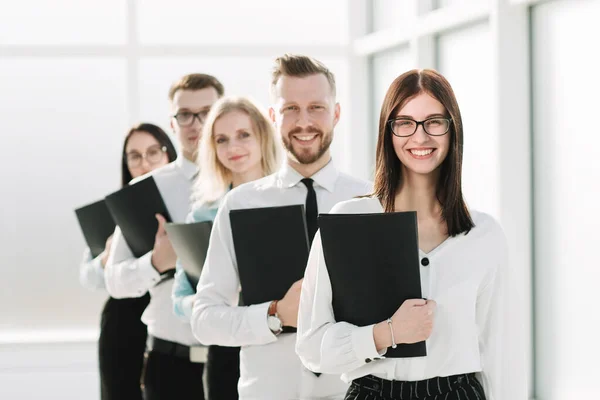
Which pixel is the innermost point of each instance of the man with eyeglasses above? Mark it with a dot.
(174, 359)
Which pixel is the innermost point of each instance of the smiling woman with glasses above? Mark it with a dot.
(123, 335)
(464, 316)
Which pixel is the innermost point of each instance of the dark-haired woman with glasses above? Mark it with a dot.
(122, 335)
(472, 354)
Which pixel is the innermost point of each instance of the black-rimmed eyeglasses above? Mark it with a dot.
(404, 127)
(186, 118)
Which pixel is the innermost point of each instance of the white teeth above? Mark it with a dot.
(305, 138)
(421, 152)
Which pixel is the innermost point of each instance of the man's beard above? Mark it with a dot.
(307, 157)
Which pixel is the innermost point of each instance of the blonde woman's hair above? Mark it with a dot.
(214, 179)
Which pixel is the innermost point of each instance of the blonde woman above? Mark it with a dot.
(237, 146)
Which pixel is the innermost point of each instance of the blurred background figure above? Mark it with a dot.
(122, 334)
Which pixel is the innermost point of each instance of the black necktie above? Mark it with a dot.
(311, 216)
(311, 209)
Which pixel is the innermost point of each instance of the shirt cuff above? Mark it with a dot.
(97, 265)
(363, 344)
(147, 269)
(257, 317)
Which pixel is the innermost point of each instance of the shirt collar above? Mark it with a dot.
(188, 168)
(325, 177)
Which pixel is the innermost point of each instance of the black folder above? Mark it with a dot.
(96, 224)
(133, 208)
(190, 242)
(271, 247)
(373, 265)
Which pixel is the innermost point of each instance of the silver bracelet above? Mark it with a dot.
(394, 345)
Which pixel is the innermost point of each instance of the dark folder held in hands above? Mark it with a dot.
(190, 242)
(134, 208)
(373, 265)
(271, 247)
(96, 224)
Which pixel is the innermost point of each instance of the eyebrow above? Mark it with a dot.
(429, 116)
(190, 110)
(236, 131)
(147, 148)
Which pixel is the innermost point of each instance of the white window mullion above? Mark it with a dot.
(509, 24)
(357, 143)
(133, 62)
(423, 46)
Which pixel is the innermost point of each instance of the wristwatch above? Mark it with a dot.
(273, 320)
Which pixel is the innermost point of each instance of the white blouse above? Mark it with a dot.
(471, 331)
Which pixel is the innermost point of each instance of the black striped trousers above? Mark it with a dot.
(456, 387)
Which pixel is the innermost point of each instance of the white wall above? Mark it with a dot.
(567, 191)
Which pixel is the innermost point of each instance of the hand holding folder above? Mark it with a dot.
(373, 266)
(96, 224)
(163, 254)
(134, 210)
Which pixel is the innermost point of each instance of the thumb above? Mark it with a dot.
(431, 305)
(161, 223)
(416, 302)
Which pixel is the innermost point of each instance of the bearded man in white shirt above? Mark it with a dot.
(174, 365)
(305, 113)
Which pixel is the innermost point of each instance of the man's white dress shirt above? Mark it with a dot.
(269, 366)
(128, 276)
(473, 330)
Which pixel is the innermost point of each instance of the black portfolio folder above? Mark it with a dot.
(96, 224)
(190, 242)
(373, 265)
(271, 247)
(133, 208)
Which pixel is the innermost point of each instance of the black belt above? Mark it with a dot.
(166, 347)
(411, 389)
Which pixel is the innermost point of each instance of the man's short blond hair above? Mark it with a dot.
(299, 66)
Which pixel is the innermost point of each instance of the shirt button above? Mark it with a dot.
(376, 386)
(425, 261)
(368, 360)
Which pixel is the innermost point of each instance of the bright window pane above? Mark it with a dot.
(385, 67)
(63, 122)
(445, 3)
(566, 193)
(63, 22)
(387, 14)
(472, 84)
(243, 22)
